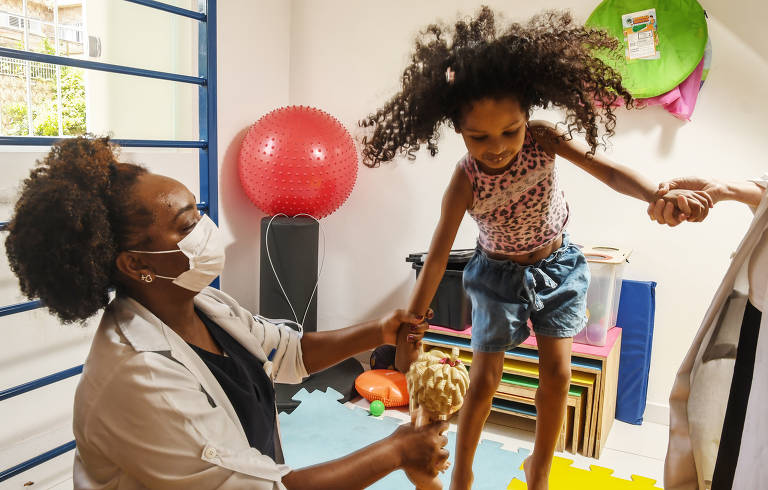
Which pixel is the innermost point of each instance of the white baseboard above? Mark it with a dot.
(658, 413)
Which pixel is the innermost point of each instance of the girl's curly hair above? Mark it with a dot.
(74, 214)
(550, 61)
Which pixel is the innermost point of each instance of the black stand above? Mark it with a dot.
(293, 247)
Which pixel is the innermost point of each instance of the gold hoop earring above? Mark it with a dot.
(147, 278)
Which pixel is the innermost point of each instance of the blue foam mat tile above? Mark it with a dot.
(321, 429)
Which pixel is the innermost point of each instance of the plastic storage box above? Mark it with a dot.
(451, 304)
(606, 266)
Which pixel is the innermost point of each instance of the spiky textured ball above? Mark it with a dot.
(298, 159)
(438, 382)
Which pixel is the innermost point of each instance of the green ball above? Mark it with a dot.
(376, 408)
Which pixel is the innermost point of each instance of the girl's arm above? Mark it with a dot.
(456, 200)
(324, 349)
(619, 177)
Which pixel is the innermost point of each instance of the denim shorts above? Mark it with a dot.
(505, 294)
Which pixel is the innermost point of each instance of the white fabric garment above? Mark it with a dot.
(149, 413)
(758, 264)
(758, 269)
(751, 469)
(699, 396)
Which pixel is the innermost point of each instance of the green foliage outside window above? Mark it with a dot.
(45, 112)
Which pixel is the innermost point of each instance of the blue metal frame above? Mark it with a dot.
(37, 460)
(39, 383)
(125, 143)
(19, 307)
(96, 65)
(202, 206)
(208, 154)
(209, 189)
(170, 8)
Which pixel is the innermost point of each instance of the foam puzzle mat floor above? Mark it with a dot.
(321, 429)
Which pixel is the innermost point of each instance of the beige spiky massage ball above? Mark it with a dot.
(438, 382)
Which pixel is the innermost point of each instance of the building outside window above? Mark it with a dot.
(42, 99)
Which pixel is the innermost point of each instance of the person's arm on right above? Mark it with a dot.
(747, 192)
(418, 448)
(456, 200)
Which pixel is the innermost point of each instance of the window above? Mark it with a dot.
(71, 33)
(11, 21)
(41, 99)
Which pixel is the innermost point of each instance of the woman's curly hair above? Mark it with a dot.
(74, 214)
(550, 61)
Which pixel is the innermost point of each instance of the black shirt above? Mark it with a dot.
(246, 384)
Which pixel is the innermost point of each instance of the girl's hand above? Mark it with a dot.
(672, 212)
(391, 324)
(691, 205)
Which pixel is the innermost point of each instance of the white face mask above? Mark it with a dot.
(205, 250)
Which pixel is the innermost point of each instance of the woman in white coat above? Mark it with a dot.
(718, 435)
(177, 390)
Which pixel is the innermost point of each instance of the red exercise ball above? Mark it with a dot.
(298, 160)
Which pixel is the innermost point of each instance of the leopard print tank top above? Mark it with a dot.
(521, 209)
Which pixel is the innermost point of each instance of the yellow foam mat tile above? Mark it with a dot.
(566, 477)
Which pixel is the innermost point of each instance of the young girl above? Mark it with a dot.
(485, 82)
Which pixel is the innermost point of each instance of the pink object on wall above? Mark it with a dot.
(681, 100)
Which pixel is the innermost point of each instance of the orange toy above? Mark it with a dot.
(386, 385)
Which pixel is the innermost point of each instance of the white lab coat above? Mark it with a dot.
(699, 396)
(149, 414)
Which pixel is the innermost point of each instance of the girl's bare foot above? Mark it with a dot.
(536, 477)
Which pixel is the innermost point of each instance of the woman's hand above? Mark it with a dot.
(390, 325)
(714, 188)
(691, 205)
(422, 449)
(684, 199)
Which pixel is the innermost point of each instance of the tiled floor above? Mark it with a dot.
(630, 449)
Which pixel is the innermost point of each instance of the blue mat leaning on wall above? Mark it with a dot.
(637, 308)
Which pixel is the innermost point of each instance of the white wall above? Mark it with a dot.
(253, 56)
(346, 58)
